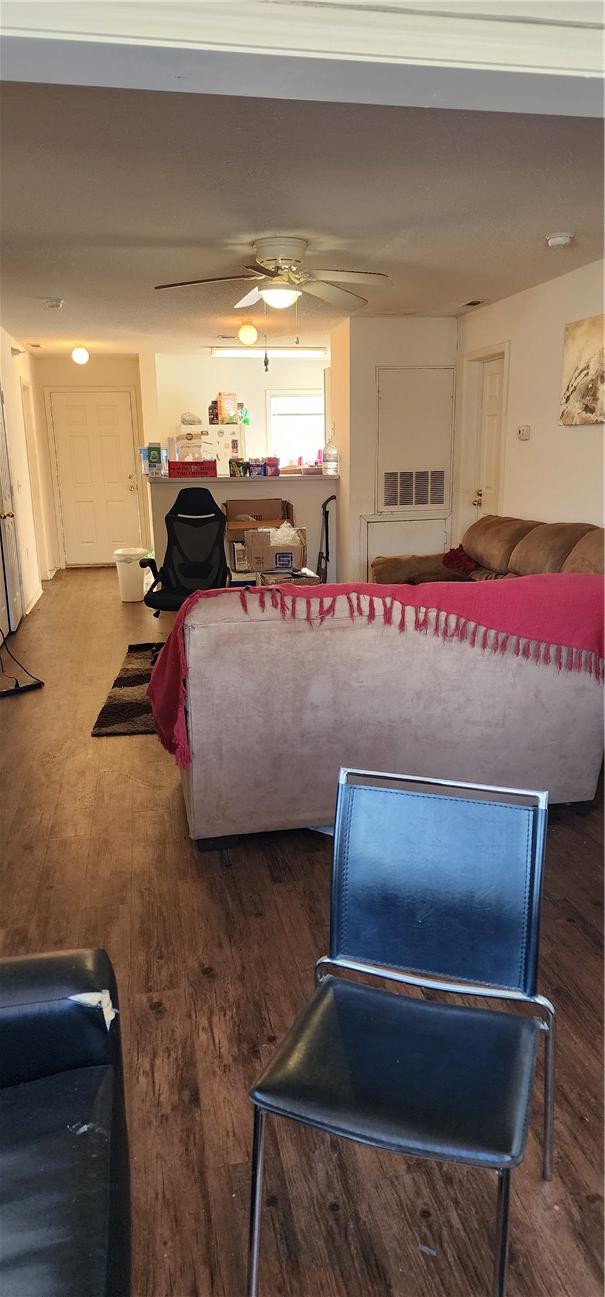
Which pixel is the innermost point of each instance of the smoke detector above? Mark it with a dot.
(559, 240)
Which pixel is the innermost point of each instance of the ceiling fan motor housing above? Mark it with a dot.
(281, 253)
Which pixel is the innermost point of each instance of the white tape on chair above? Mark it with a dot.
(98, 999)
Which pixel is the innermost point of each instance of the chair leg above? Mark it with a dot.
(549, 1099)
(501, 1258)
(256, 1200)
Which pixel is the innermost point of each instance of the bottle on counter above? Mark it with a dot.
(330, 463)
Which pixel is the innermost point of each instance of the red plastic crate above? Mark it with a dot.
(192, 468)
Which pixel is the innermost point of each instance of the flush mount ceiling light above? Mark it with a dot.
(279, 295)
(247, 334)
(80, 356)
(274, 353)
(562, 239)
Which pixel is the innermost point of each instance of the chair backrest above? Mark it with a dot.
(439, 879)
(195, 551)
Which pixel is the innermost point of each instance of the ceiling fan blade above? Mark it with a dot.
(262, 270)
(349, 276)
(215, 279)
(335, 296)
(249, 300)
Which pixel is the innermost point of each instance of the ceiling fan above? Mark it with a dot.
(279, 266)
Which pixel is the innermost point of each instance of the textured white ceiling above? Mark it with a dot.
(108, 192)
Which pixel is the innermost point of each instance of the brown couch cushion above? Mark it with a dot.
(491, 540)
(587, 555)
(546, 547)
(412, 569)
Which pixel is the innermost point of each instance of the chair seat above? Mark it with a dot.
(59, 1187)
(412, 1075)
(166, 600)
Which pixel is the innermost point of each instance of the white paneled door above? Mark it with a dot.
(488, 490)
(11, 598)
(97, 473)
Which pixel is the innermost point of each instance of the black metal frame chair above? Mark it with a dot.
(195, 551)
(435, 885)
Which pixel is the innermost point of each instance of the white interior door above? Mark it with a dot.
(11, 598)
(96, 470)
(490, 437)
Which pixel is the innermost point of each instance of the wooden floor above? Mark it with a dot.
(214, 956)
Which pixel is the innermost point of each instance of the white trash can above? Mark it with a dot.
(130, 575)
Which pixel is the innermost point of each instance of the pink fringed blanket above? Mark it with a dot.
(555, 619)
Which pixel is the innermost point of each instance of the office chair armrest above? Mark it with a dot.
(150, 563)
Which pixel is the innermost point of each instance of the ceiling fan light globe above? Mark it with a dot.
(247, 334)
(279, 296)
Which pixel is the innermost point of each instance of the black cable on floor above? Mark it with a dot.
(16, 688)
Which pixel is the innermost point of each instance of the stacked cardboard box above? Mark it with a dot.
(267, 552)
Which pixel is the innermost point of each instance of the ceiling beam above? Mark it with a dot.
(498, 57)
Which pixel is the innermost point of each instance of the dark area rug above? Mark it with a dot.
(127, 709)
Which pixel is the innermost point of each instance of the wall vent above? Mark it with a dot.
(391, 490)
(438, 486)
(409, 490)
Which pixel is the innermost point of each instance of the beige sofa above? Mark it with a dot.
(503, 547)
(276, 706)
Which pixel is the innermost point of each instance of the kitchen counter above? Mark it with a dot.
(306, 492)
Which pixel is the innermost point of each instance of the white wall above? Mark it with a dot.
(384, 341)
(556, 476)
(340, 420)
(191, 381)
(12, 370)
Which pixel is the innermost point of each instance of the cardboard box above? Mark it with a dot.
(259, 507)
(264, 513)
(306, 577)
(265, 556)
(227, 407)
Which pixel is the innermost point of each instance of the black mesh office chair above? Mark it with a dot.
(195, 551)
(444, 880)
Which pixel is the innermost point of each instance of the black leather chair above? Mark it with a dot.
(195, 551)
(442, 879)
(64, 1221)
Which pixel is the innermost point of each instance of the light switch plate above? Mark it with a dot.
(524, 432)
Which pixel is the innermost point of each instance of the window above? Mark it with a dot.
(296, 425)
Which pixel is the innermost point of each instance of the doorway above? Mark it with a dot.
(11, 596)
(94, 435)
(487, 495)
(34, 480)
(481, 441)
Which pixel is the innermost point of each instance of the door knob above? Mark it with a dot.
(477, 502)
(132, 487)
